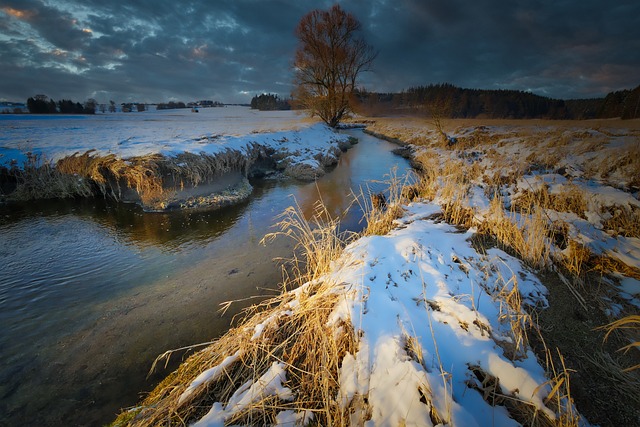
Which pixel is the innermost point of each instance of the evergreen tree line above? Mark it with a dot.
(43, 105)
(171, 105)
(447, 100)
(269, 102)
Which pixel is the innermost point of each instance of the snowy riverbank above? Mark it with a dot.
(432, 341)
(162, 159)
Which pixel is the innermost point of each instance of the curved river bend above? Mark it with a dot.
(91, 292)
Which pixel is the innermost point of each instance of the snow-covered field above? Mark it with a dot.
(137, 134)
(585, 179)
(128, 147)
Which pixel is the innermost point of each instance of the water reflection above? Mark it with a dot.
(167, 231)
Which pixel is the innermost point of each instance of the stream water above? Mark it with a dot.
(92, 291)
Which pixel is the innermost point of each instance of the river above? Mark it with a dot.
(92, 291)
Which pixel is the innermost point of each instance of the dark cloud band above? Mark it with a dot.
(156, 50)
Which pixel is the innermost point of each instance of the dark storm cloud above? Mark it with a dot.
(561, 49)
(155, 50)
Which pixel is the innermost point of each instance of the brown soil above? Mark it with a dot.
(603, 394)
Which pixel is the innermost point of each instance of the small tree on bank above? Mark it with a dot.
(328, 62)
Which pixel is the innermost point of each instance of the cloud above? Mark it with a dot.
(154, 50)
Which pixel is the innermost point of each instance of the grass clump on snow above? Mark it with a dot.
(284, 343)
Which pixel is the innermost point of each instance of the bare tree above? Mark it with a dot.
(328, 61)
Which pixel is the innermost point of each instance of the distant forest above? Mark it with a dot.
(41, 104)
(446, 100)
(269, 102)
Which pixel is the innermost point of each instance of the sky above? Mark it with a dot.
(231, 50)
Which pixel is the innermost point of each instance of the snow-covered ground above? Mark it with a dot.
(437, 336)
(159, 131)
(592, 165)
(434, 334)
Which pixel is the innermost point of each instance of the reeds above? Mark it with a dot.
(526, 235)
(318, 241)
(39, 179)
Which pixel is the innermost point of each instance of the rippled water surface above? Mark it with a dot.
(91, 291)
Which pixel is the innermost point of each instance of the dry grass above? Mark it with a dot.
(576, 259)
(299, 338)
(604, 264)
(521, 323)
(559, 398)
(520, 410)
(112, 174)
(630, 324)
(512, 311)
(380, 210)
(154, 178)
(570, 199)
(623, 220)
(526, 235)
(39, 179)
(527, 230)
(311, 352)
(296, 335)
(627, 380)
(318, 242)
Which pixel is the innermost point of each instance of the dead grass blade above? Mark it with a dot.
(629, 323)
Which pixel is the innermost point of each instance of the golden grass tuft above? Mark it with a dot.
(623, 220)
(605, 264)
(576, 259)
(382, 209)
(512, 311)
(570, 199)
(113, 175)
(296, 335)
(525, 235)
(318, 241)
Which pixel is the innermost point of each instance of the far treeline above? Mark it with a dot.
(43, 105)
(269, 102)
(448, 101)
